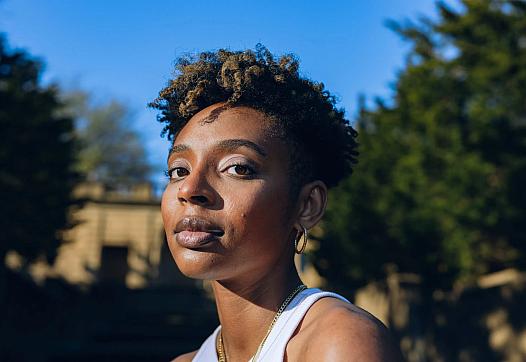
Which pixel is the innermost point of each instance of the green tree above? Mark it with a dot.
(439, 190)
(37, 153)
(111, 149)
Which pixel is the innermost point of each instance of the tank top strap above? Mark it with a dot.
(207, 351)
(274, 347)
(276, 343)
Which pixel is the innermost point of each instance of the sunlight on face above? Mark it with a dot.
(225, 208)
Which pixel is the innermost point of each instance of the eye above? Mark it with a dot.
(177, 173)
(240, 170)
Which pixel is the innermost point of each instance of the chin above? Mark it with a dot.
(197, 264)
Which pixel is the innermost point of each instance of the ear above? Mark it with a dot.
(312, 202)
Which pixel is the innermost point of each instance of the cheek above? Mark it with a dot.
(259, 216)
(168, 205)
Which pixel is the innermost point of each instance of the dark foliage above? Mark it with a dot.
(37, 149)
(440, 189)
(439, 194)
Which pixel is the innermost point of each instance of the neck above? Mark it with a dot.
(247, 308)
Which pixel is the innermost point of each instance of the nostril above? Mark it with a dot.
(218, 232)
(199, 199)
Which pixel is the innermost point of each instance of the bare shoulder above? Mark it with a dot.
(185, 357)
(339, 331)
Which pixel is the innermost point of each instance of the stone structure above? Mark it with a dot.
(119, 238)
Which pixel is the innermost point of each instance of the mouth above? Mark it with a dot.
(195, 233)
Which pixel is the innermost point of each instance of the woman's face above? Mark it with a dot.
(226, 210)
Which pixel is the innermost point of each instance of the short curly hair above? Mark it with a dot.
(322, 142)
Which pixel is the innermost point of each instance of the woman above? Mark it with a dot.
(255, 147)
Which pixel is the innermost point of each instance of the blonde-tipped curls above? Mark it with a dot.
(323, 143)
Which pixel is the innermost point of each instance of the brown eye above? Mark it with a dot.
(240, 170)
(178, 173)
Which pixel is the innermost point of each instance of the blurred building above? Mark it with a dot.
(119, 239)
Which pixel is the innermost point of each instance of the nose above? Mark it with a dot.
(196, 189)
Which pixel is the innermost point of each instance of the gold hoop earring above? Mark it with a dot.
(304, 243)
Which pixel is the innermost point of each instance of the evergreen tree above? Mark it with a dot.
(37, 153)
(439, 189)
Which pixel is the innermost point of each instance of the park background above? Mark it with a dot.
(428, 234)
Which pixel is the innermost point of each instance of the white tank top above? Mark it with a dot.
(274, 347)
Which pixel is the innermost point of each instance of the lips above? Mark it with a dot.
(194, 232)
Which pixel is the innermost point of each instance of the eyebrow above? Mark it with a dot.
(227, 145)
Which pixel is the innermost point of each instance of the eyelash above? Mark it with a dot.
(251, 171)
(168, 173)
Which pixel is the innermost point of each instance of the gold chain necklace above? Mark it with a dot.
(219, 341)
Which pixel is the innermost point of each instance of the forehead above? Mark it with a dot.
(217, 123)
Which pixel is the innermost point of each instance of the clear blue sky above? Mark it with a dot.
(125, 49)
